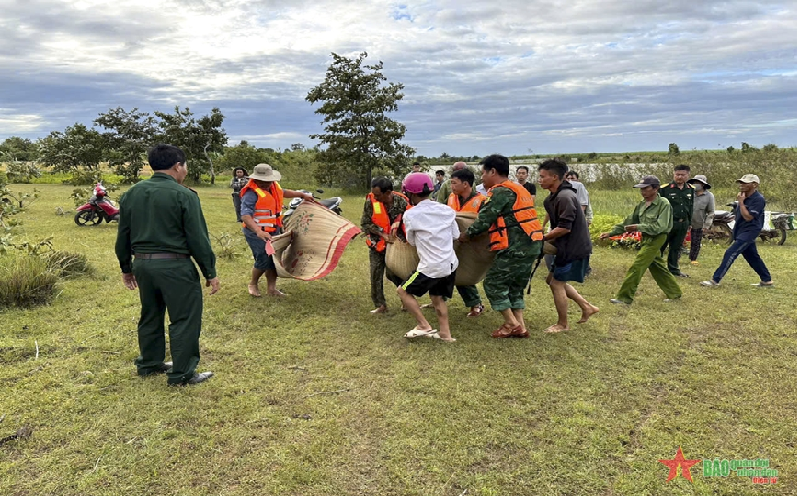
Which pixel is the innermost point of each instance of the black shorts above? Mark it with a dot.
(418, 285)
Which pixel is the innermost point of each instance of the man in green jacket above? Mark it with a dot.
(653, 218)
(445, 189)
(162, 226)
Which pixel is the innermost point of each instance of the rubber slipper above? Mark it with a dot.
(418, 333)
(438, 336)
(551, 330)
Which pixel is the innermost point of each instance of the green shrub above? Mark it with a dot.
(227, 246)
(601, 224)
(25, 281)
(67, 264)
(85, 177)
(22, 172)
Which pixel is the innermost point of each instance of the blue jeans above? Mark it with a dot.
(748, 250)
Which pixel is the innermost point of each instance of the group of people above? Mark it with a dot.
(666, 214)
(162, 228)
(507, 214)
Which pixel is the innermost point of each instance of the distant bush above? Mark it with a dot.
(22, 172)
(25, 281)
(85, 177)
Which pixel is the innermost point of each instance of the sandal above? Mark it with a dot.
(421, 333)
(507, 331)
(476, 311)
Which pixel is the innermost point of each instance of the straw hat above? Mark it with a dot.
(264, 172)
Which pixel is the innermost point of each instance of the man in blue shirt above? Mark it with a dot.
(749, 222)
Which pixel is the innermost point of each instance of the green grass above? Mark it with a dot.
(587, 412)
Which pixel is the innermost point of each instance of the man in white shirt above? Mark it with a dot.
(432, 228)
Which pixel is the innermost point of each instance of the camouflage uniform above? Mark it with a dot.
(510, 272)
(377, 259)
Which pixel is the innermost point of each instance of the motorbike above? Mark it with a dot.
(724, 220)
(98, 208)
(330, 203)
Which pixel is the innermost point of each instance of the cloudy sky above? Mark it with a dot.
(480, 77)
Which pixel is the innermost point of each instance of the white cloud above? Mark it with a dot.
(477, 75)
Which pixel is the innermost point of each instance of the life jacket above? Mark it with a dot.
(471, 205)
(524, 212)
(268, 209)
(381, 219)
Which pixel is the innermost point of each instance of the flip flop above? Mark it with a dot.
(418, 333)
(551, 330)
(278, 294)
(437, 336)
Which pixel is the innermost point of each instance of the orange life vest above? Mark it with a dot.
(524, 212)
(380, 218)
(472, 205)
(268, 209)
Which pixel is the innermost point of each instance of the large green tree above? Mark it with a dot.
(127, 137)
(244, 155)
(78, 146)
(201, 139)
(16, 149)
(359, 139)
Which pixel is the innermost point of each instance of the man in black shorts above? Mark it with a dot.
(432, 228)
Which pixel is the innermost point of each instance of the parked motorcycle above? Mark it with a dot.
(98, 208)
(724, 220)
(331, 203)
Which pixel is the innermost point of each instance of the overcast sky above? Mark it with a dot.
(480, 77)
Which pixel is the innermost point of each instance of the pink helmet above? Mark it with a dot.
(417, 182)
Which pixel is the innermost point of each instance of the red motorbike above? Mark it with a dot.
(98, 208)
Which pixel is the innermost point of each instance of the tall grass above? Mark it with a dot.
(25, 281)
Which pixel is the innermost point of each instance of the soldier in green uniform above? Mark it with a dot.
(376, 226)
(653, 218)
(681, 196)
(510, 272)
(162, 226)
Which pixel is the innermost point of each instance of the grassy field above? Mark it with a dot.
(314, 396)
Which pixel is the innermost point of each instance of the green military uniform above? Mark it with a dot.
(376, 258)
(654, 222)
(161, 223)
(470, 294)
(444, 192)
(682, 202)
(510, 272)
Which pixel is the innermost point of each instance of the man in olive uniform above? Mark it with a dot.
(395, 204)
(510, 272)
(681, 196)
(445, 188)
(653, 218)
(162, 225)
